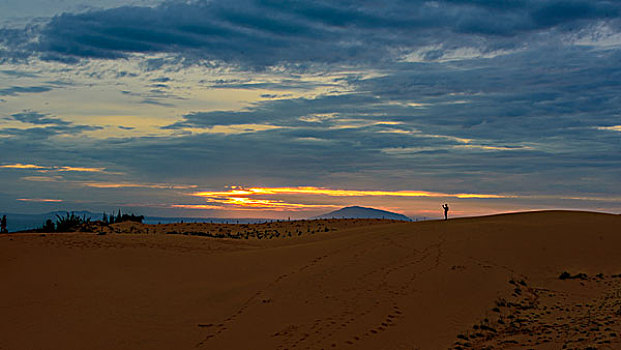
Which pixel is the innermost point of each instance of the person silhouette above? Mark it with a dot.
(446, 209)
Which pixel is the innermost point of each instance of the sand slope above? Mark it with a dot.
(466, 283)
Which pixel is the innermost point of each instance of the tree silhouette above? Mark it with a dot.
(120, 217)
(3, 228)
(69, 223)
(48, 226)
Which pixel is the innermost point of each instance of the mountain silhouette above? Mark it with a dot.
(356, 212)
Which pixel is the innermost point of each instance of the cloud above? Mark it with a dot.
(22, 166)
(53, 168)
(313, 198)
(449, 97)
(257, 33)
(562, 11)
(37, 118)
(80, 169)
(291, 112)
(494, 148)
(16, 90)
(42, 178)
(245, 198)
(241, 203)
(517, 123)
(46, 126)
(110, 185)
(18, 74)
(43, 133)
(150, 101)
(41, 200)
(232, 129)
(316, 191)
(611, 128)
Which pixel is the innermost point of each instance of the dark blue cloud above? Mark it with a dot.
(151, 101)
(526, 121)
(268, 32)
(16, 90)
(283, 84)
(531, 119)
(46, 127)
(558, 12)
(43, 133)
(38, 118)
(19, 74)
(16, 44)
(161, 80)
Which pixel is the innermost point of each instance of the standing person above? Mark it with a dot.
(446, 209)
(3, 225)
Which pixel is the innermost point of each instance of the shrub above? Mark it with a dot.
(69, 223)
(566, 275)
(48, 226)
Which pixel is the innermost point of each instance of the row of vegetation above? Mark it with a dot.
(73, 223)
(255, 233)
(121, 217)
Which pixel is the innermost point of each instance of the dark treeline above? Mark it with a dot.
(67, 223)
(73, 223)
(121, 217)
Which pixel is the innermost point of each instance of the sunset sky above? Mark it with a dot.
(270, 108)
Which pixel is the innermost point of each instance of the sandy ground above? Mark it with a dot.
(477, 283)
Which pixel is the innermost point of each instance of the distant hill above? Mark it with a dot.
(356, 212)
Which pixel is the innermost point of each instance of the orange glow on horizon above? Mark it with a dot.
(41, 168)
(337, 193)
(82, 169)
(245, 203)
(21, 166)
(240, 198)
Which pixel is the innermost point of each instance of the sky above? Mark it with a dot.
(273, 109)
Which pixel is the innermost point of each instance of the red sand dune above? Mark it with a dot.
(472, 283)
